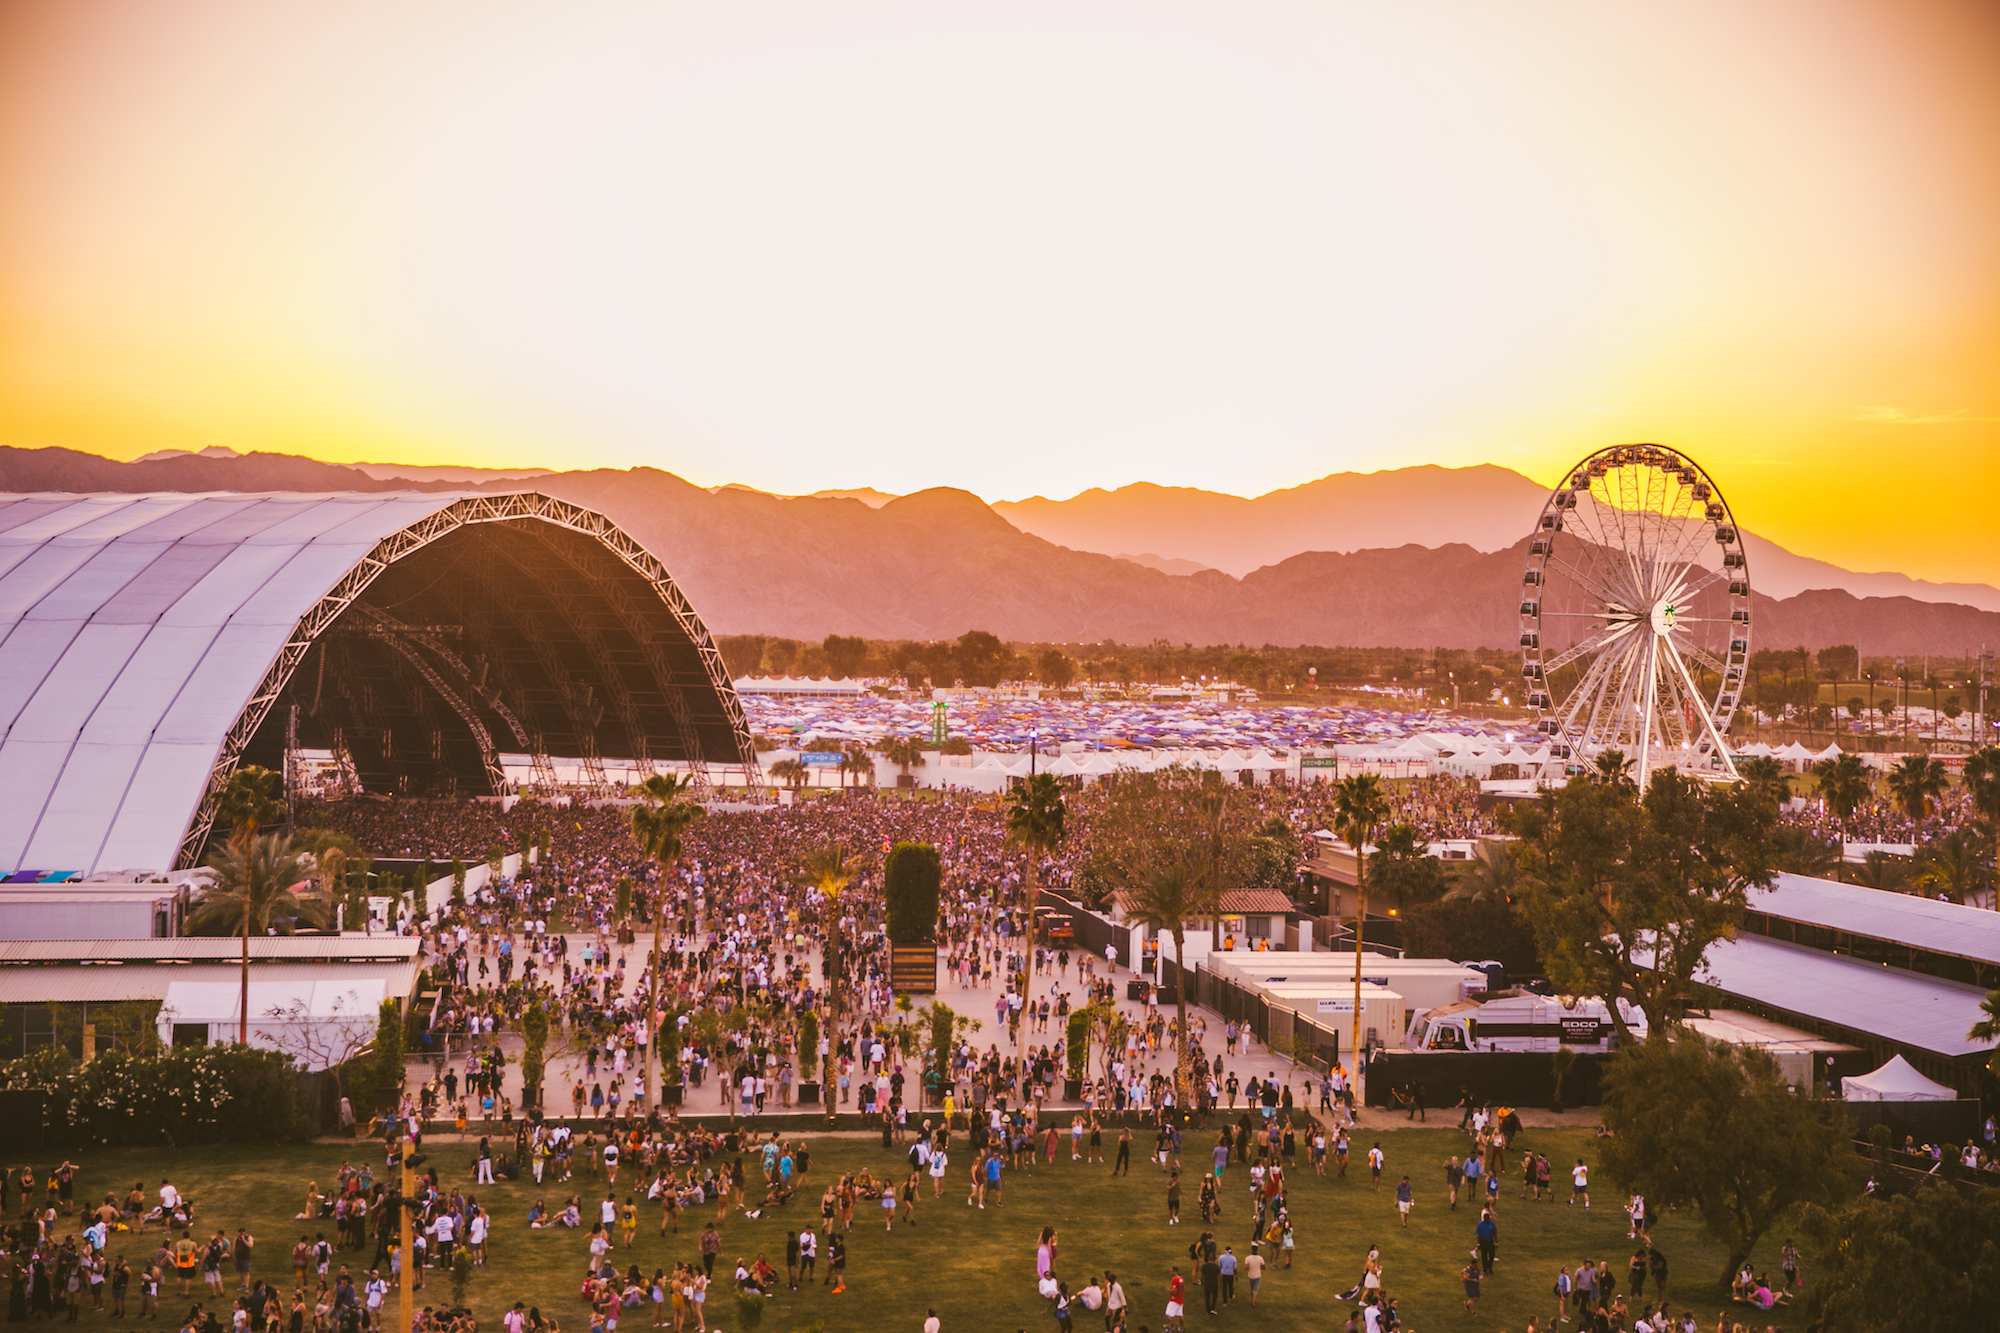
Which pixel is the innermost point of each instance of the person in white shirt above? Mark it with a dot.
(931, 1324)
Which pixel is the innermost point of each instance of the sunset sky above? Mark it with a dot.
(1025, 247)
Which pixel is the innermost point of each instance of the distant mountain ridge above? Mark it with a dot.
(1487, 507)
(936, 563)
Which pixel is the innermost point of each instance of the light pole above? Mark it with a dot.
(1034, 743)
(406, 1292)
(1903, 698)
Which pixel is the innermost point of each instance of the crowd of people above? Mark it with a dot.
(744, 942)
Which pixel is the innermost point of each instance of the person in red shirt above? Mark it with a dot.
(1176, 1300)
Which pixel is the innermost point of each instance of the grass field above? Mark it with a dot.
(976, 1267)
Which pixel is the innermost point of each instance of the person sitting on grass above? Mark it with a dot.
(572, 1214)
(746, 1281)
(538, 1216)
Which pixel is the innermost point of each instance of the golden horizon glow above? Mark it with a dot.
(1027, 248)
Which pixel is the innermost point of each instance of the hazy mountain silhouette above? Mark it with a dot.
(937, 563)
(1487, 507)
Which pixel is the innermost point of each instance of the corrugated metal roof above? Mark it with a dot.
(1237, 902)
(104, 984)
(1886, 1002)
(263, 949)
(1922, 923)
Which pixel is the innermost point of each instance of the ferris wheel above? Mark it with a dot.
(1635, 614)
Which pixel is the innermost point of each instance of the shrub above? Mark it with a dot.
(183, 1095)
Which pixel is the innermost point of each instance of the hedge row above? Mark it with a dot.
(184, 1095)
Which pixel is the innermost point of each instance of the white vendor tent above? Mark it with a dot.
(1897, 1081)
(318, 1023)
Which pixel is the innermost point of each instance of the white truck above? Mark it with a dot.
(1514, 1020)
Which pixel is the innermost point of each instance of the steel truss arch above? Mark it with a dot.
(469, 512)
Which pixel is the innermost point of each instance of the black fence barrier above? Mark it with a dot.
(1948, 1123)
(1507, 1078)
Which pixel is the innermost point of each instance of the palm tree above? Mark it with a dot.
(790, 772)
(1982, 783)
(1489, 876)
(1951, 866)
(1614, 767)
(830, 870)
(1037, 821)
(1987, 1028)
(252, 892)
(660, 823)
(1360, 806)
(246, 804)
(1174, 893)
(1880, 870)
(1915, 783)
(1766, 777)
(1843, 785)
(857, 763)
(905, 752)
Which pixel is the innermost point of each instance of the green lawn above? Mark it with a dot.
(976, 1267)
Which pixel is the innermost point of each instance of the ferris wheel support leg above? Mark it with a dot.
(1707, 718)
(1649, 694)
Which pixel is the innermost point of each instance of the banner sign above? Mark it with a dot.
(820, 758)
(1328, 762)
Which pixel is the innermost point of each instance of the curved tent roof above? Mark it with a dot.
(146, 638)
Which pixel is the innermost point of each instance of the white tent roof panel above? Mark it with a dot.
(169, 578)
(77, 682)
(26, 655)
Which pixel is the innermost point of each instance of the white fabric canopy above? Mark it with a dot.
(1897, 1081)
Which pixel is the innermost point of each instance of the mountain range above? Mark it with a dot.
(1486, 507)
(1427, 564)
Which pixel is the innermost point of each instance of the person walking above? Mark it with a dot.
(1487, 1233)
(1405, 1200)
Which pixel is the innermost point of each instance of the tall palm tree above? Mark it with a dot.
(246, 804)
(660, 823)
(252, 892)
(1360, 806)
(1172, 894)
(1915, 783)
(790, 772)
(1038, 821)
(830, 870)
(1843, 785)
(1982, 784)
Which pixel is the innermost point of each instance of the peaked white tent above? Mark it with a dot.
(1897, 1081)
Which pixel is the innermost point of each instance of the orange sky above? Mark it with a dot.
(1027, 247)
